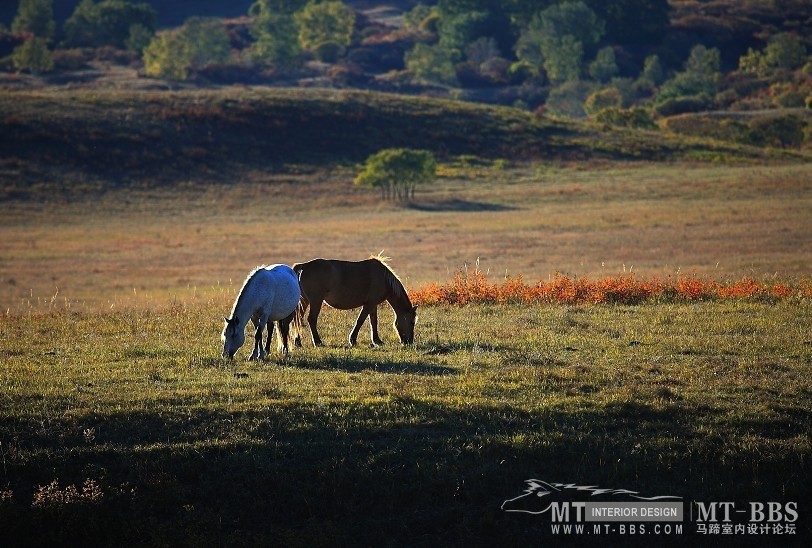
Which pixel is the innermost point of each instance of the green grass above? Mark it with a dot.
(165, 443)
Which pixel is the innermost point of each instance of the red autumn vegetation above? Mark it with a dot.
(473, 287)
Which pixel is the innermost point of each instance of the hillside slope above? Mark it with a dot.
(128, 135)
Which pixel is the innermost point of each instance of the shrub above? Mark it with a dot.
(35, 17)
(139, 38)
(604, 67)
(789, 98)
(603, 99)
(328, 52)
(686, 84)
(706, 126)
(473, 287)
(520, 72)
(783, 132)
(328, 22)
(568, 99)
(634, 117)
(681, 105)
(33, 56)
(652, 72)
(174, 54)
(432, 63)
(108, 23)
(69, 59)
(786, 51)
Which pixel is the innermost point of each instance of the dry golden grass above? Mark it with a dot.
(197, 241)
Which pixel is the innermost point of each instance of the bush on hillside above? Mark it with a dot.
(33, 56)
(779, 132)
(70, 59)
(633, 117)
(726, 129)
(682, 105)
(176, 53)
(603, 99)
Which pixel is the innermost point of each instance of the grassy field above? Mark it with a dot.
(149, 246)
(119, 422)
(128, 425)
(128, 222)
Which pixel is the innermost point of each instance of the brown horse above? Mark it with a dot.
(346, 285)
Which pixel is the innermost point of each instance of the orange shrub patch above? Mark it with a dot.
(473, 287)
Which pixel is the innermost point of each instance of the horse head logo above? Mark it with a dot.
(539, 496)
(536, 498)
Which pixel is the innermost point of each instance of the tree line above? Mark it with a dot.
(573, 58)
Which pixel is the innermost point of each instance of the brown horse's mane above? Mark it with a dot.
(394, 281)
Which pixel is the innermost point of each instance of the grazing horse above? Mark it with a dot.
(346, 285)
(269, 294)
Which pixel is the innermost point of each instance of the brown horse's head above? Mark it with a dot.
(404, 324)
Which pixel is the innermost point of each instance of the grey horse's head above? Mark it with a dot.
(233, 337)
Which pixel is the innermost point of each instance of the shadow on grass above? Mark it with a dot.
(357, 364)
(464, 206)
(403, 471)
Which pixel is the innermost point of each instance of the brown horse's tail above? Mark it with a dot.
(298, 314)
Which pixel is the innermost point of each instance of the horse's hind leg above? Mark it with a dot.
(284, 334)
(373, 327)
(268, 340)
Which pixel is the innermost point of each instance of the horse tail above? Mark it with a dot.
(301, 306)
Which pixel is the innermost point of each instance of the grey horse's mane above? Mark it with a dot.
(242, 289)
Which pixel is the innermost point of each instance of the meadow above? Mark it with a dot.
(99, 248)
(119, 421)
(126, 425)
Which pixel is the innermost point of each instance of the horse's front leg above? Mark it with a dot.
(258, 353)
(365, 311)
(373, 327)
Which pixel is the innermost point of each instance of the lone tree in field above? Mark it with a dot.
(397, 171)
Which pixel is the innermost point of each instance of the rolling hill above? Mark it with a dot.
(126, 135)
